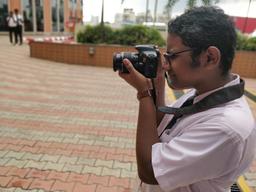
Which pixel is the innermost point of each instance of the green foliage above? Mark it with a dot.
(128, 35)
(251, 44)
(171, 3)
(241, 41)
(192, 3)
(209, 2)
(246, 43)
(97, 34)
(155, 37)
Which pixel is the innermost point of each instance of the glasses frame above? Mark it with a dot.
(172, 55)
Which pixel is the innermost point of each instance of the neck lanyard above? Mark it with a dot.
(211, 101)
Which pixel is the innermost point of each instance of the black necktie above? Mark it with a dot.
(188, 102)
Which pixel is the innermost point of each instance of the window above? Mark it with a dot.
(58, 15)
(3, 15)
(28, 15)
(39, 15)
(54, 15)
(61, 15)
(72, 9)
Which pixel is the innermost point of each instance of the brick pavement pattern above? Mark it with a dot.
(66, 127)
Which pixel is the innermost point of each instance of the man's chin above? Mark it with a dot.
(174, 86)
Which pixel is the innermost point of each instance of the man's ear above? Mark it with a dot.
(212, 57)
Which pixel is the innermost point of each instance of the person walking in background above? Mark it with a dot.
(19, 28)
(12, 24)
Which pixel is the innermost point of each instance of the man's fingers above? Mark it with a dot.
(122, 75)
(128, 65)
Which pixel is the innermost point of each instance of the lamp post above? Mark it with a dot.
(102, 13)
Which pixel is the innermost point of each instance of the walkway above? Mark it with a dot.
(67, 127)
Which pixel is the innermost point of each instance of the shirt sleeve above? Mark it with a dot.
(202, 152)
(21, 18)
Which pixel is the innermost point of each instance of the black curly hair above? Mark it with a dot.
(206, 26)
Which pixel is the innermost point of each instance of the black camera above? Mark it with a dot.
(145, 60)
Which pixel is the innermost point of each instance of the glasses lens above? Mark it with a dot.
(169, 56)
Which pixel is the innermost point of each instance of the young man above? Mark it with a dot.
(19, 29)
(11, 27)
(204, 151)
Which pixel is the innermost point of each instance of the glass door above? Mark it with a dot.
(28, 15)
(57, 15)
(3, 15)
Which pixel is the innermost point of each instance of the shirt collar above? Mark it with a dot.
(235, 81)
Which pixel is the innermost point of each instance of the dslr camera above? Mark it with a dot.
(145, 60)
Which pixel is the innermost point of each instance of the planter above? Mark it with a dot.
(101, 55)
(245, 64)
(89, 54)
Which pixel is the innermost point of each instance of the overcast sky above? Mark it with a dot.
(93, 7)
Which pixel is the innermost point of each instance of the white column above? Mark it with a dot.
(58, 15)
(34, 16)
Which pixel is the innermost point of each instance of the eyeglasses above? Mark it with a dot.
(172, 55)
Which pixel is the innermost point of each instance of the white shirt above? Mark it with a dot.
(19, 19)
(206, 151)
(11, 22)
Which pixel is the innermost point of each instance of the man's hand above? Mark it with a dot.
(134, 78)
(161, 69)
(146, 126)
(159, 82)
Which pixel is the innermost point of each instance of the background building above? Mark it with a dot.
(94, 20)
(44, 15)
(129, 16)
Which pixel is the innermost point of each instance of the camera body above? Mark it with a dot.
(145, 60)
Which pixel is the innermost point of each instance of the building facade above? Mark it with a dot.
(44, 15)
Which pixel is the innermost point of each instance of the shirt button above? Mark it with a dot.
(167, 132)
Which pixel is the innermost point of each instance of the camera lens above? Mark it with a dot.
(117, 61)
(144, 61)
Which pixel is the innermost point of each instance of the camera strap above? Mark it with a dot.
(211, 101)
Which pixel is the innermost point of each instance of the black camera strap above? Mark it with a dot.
(211, 101)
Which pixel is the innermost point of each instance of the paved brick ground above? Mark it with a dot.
(67, 127)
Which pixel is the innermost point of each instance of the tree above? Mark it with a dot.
(169, 6)
(192, 3)
(210, 2)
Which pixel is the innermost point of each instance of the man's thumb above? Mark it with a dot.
(128, 65)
